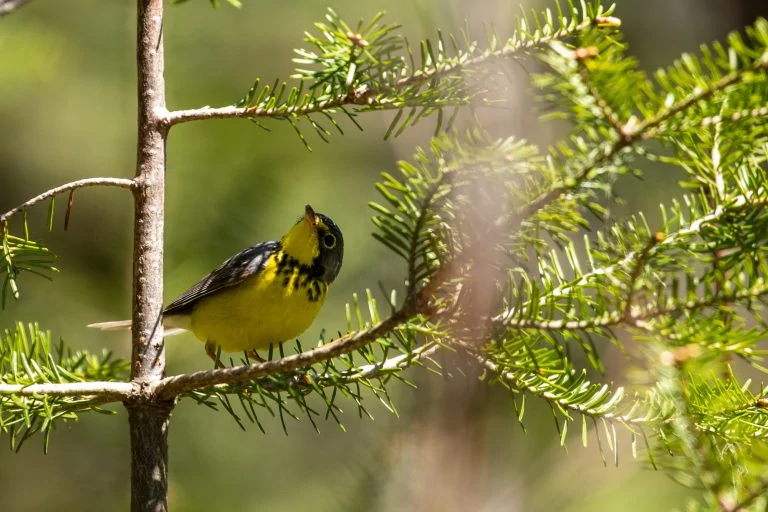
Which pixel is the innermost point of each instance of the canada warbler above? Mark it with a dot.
(265, 294)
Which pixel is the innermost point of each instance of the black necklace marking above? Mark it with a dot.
(302, 276)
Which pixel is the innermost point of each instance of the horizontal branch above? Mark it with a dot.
(171, 387)
(231, 112)
(637, 317)
(519, 382)
(364, 372)
(111, 391)
(739, 204)
(366, 97)
(371, 371)
(421, 77)
(631, 132)
(87, 182)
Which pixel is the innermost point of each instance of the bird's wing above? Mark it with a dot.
(235, 270)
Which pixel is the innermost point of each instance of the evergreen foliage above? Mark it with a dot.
(502, 262)
(29, 357)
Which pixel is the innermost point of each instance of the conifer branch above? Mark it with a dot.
(170, 387)
(232, 112)
(633, 132)
(173, 386)
(387, 96)
(651, 127)
(736, 205)
(357, 374)
(68, 187)
(106, 391)
(533, 384)
(638, 317)
(582, 55)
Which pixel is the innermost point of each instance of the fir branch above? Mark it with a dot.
(582, 55)
(312, 381)
(42, 384)
(68, 187)
(736, 205)
(104, 391)
(170, 387)
(638, 317)
(637, 271)
(568, 392)
(633, 131)
(388, 95)
(279, 111)
(652, 127)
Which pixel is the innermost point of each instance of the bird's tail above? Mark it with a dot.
(117, 325)
(125, 325)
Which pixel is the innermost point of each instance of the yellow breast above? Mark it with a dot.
(276, 305)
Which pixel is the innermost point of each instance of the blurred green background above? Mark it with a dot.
(67, 111)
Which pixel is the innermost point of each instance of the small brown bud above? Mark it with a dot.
(680, 355)
(587, 53)
(357, 39)
(607, 21)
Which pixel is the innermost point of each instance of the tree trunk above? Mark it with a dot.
(147, 416)
(149, 455)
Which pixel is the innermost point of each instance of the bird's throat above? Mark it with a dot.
(301, 243)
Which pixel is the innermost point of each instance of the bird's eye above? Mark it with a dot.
(329, 241)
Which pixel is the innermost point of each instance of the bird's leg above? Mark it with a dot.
(210, 349)
(255, 355)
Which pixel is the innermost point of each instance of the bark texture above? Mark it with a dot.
(148, 416)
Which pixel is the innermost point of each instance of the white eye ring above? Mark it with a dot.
(329, 241)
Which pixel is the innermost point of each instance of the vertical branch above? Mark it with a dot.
(148, 416)
(148, 357)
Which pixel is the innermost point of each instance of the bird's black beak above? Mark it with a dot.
(309, 216)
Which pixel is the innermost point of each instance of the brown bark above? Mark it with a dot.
(148, 416)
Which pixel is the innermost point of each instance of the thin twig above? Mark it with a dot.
(368, 371)
(170, 387)
(517, 381)
(230, 112)
(738, 204)
(608, 113)
(365, 97)
(637, 270)
(641, 131)
(110, 391)
(87, 182)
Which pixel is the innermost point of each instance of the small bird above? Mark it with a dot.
(265, 294)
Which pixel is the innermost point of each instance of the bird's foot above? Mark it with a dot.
(252, 354)
(211, 349)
